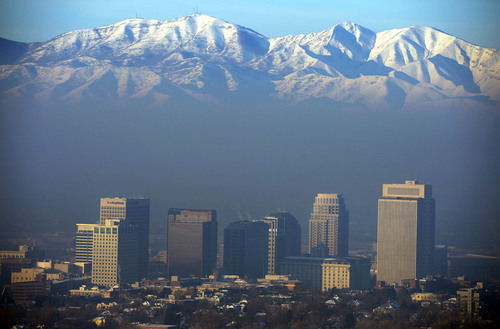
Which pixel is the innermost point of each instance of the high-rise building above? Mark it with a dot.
(283, 238)
(136, 211)
(114, 253)
(405, 238)
(329, 225)
(191, 242)
(245, 249)
(83, 243)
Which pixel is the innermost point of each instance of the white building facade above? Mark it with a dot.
(405, 238)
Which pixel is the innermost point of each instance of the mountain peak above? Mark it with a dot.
(151, 41)
(204, 57)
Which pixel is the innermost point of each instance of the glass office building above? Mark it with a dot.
(191, 242)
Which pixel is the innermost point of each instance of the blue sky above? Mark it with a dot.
(473, 20)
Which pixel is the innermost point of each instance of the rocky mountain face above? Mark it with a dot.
(153, 62)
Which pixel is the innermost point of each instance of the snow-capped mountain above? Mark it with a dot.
(206, 58)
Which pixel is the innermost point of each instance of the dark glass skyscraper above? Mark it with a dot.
(245, 249)
(283, 238)
(191, 242)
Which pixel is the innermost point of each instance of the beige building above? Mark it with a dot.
(471, 300)
(26, 275)
(405, 238)
(67, 268)
(329, 226)
(114, 255)
(47, 264)
(328, 273)
(23, 252)
(136, 212)
(427, 297)
(32, 274)
(346, 273)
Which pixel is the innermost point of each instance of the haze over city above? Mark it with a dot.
(190, 141)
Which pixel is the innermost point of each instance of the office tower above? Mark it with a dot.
(405, 240)
(114, 254)
(283, 238)
(329, 226)
(136, 211)
(83, 243)
(192, 242)
(245, 249)
(441, 260)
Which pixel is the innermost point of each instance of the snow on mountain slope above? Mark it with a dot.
(208, 59)
(141, 41)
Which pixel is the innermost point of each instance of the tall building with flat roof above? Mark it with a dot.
(192, 242)
(329, 225)
(136, 211)
(283, 238)
(83, 243)
(405, 238)
(114, 253)
(245, 249)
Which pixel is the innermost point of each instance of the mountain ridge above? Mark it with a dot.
(206, 58)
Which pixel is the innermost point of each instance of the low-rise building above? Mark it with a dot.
(476, 267)
(306, 269)
(471, 301)
(26, 292)
(23, 252)
(45, 264)
(68, 268)
(26, 275)
(346, 273)
(94, 292)
(427, 297)
(34, 274)
(327, 273)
